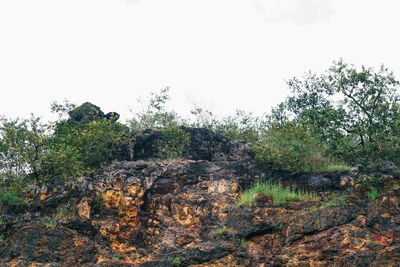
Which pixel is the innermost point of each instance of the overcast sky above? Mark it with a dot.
(222, 54)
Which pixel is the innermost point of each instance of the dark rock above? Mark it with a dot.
(88, 112)
(184, 212)
(319, 181)
(204, 145)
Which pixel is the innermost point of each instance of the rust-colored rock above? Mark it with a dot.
(84, 208)
(185, 213)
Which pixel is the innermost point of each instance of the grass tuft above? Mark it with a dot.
(331, 167)
(279, 194)
(221, 231)
(337, 201)
(51, 224)
(64, 213)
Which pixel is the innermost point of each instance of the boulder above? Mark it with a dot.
(88, 112)
(204, 145)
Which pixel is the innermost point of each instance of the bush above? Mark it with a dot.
(9, 198)
(82, 147)
(22, 146)
(373, 194)
(240, 126)
(174, 141)
(153, 113)
(294, 148)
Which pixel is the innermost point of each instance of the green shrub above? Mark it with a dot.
(221, 231)
(82, 147)
(177, 262)
(240, 126)
(153, 113)
(373, 194)
(336, 201)
(9, 198)
(295, 148)
(373, 180)
(279, 194)
(22, 146)
(174, 141)
(50, 224)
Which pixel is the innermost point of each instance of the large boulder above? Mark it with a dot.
(204, 145)
(88, 112)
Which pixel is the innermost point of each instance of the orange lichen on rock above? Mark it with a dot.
(380, 240)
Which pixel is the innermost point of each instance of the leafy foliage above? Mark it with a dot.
(353, 112)
(86, 145)
(293, 147)
(32, 152)
(344, 116)
(240, 126)
(22, 146)
(174, 141)
(9, 197)
(373, 194)
(154, 114)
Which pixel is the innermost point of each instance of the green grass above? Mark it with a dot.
(51, 224)
(279, 194)
(243, 242)
(331, 167)
(64, 213)
(176, 262)
(337, 201)
(221, 231)
(373, 194)
(9, 197)
(305, 211)
(115, 258)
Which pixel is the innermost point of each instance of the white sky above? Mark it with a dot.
(224, 54)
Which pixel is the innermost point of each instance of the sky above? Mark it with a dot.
(219, 54)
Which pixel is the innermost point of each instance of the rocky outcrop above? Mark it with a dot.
(88, 112)
(204, 145)
(184, 212)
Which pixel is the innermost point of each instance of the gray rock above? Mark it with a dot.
(390, 167)
(319, 181)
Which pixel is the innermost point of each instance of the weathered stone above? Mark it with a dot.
(84, 208)
(86, 112)
(184, 213)
(319, 181)
(204, 145)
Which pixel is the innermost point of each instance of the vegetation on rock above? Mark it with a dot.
(279, 194)
(275, 190)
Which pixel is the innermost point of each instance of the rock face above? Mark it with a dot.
(184, 213)
(204, 145)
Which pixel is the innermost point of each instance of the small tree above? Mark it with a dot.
(354, 111)
(22, 146)
(154, 114)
